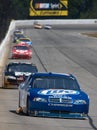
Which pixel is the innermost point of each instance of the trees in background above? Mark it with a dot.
(12, 9)
(78, 7)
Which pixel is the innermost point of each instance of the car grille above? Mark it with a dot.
(60, 100)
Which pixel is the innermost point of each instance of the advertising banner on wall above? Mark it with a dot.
(48, 8)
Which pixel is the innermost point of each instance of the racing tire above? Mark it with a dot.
(4, 85)
(28, 111)
(3, 81)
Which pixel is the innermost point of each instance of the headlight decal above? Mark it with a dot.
(38, 99)
(80, 102)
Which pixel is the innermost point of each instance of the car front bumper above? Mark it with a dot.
(15, 56)
(59, 110)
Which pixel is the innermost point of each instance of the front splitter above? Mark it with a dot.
(60, 115)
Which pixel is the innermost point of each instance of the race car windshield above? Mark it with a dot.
(56, 83)
(19, 35)
(22, 68)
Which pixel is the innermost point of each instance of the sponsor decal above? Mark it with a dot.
(48, 8)
(60, 105)
(42, 5)
(22, 73)
(57, 92)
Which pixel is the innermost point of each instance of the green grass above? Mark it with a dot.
(94, 34)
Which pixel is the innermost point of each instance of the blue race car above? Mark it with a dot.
(53, 95)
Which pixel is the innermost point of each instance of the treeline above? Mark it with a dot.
(19, 10)
(12, 9)
(82, 9)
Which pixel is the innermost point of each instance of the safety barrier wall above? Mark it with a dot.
(51, 22)
(5, 45)
(4, 50)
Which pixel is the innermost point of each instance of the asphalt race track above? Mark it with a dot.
(61, 49)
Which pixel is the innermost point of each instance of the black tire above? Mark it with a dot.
(28, 111)
(4, 86)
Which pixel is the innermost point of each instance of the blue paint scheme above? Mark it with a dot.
(54, 101)
(29, 43)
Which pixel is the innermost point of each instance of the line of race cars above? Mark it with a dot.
(16, 72)
(47, 94)
(22, 48)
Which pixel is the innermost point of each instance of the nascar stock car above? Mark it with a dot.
(16, 36)
(18, 31)
(38, 26)
(53, 95)
(21, 51)
(17, 72)
(26, 40)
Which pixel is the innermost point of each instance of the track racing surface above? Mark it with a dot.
(60, 49)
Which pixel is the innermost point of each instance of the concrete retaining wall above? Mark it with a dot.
(51, 22)
(4, 50)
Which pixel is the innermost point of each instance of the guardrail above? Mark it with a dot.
(5, 45)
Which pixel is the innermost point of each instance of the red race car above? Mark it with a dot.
(21, 52)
